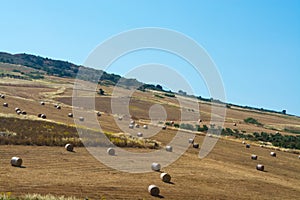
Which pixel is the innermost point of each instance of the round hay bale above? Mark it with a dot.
(131, 126)
(191, 141)
(155, 167)
(247, 146)
(58, 107)
(196, 145)
(169, 148)
(145, 127)
(42, 103)
(69, 147)
(153, 190)
(111, 151)
(165, 177)
(70, 115)
(99, 114)
(39, 115)
(132, 122)
(172, 122)
(254, 157)
(19, 112)
(273, 154)
(260, 167)
(2, 96)
(200, 120)
(164, 127)
(234, 124)
(43, 116)
(120, 118)
(299, 156)
(139, 134)
(55, 105)
(81, 119)
(16, 161)
(24, 112)
(243, 142)
(5, 104)
(16, 109)
(137, 126)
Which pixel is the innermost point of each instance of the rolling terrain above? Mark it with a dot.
(226, 173)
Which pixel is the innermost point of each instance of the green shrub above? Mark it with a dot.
(251, 120)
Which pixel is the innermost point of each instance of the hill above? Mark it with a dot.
(65, 69)
(228, 172)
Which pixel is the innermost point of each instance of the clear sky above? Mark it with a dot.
(255, 44)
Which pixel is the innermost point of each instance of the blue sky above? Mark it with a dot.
(255, 44)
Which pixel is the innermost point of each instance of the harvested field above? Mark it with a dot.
(218, 176)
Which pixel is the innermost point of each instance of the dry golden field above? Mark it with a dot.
(226, 173)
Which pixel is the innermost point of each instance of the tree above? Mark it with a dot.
(159, 87)
(284, 112)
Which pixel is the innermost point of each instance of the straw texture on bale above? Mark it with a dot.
(169, 148)
(69, 147)
(16, 161)
(155, 166)
(139, 134)
(254, 157)
(191, 141)
(260, 167)
(165, 177)
(111, 151)
(273, 154)
(153, 190)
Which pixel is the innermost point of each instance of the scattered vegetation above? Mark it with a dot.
(8, 196)
(43, 133)
(251, 120)
(159, 96)
(169, 95)
(278, 140)
(292, 130)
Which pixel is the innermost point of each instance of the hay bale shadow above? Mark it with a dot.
(170, 182)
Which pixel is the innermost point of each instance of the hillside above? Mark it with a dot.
(228, 172)
(64, 69)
